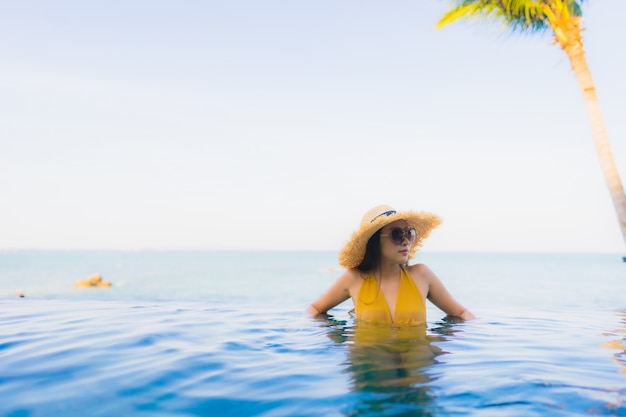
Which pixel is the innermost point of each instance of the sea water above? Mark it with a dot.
(223, 334)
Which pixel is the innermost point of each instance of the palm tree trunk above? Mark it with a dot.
(573, 47)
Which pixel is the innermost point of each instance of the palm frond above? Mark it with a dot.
(517, 15)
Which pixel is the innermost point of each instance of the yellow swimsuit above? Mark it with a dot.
(372, 307)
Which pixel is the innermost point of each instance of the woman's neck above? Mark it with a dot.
(387, 270)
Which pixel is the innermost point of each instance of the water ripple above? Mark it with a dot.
(103, 358)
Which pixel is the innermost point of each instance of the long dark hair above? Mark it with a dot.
(371, 259)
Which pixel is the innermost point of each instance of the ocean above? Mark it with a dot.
(223, 333)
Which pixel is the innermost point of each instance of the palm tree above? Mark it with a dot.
(563, 18)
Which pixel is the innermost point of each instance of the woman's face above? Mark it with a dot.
(395, 252)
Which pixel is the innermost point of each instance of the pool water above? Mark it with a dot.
(149, 351)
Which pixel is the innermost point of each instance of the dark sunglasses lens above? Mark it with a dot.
(398, 235)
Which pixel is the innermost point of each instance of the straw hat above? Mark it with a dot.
(353, 252)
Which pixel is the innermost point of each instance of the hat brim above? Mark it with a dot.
(353, 252)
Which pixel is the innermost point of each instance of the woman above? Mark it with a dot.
(384, 288)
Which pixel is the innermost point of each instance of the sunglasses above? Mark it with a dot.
(398, 235)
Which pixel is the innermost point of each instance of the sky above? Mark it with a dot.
(277, 124)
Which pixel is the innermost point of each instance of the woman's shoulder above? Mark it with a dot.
(418, 269)
(350, 280)
(351, 277)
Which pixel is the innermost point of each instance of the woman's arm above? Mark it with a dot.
(335, 295)
(438, 294)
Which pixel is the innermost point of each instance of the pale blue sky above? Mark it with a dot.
(276, 124)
